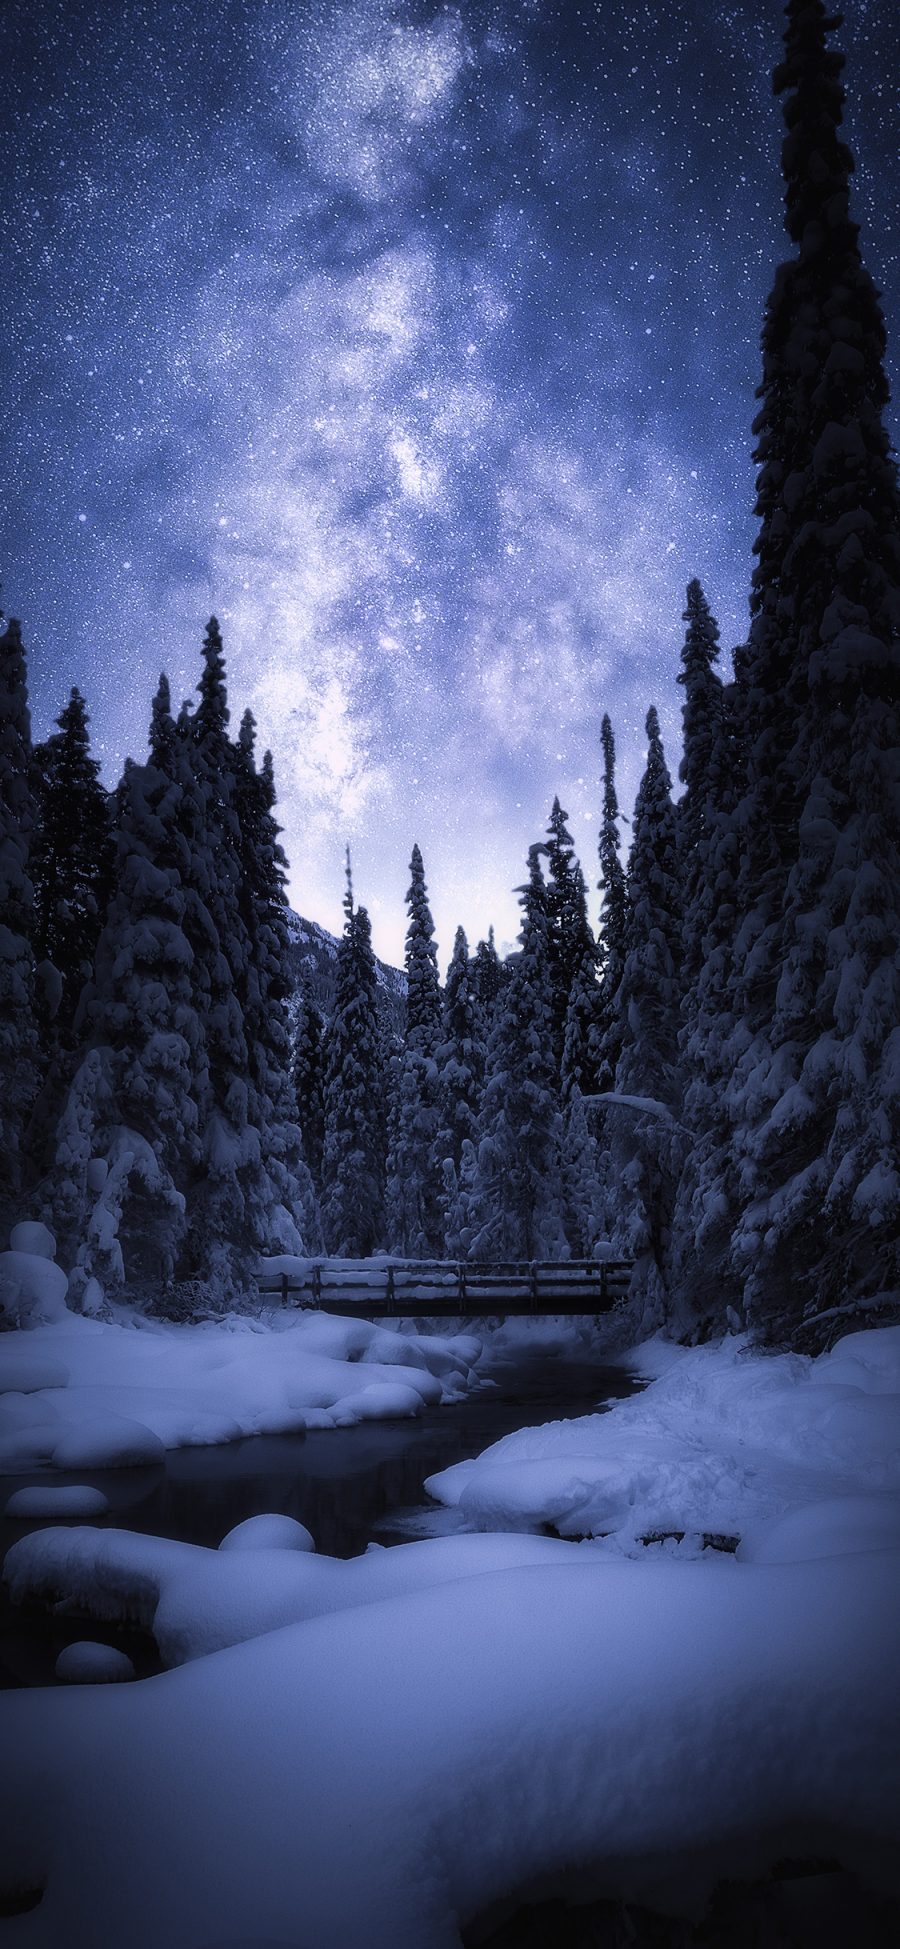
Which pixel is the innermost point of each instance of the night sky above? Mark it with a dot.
(419, 344)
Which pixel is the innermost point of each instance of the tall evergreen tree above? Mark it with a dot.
(700, 719)
(573, 960)
(229, 1210)
(488, 976)
(308, 1071)
(613, 914)
(582, 1059)
(19, 1054)
(289, 1220)
(583, 1202)
(649, 992)
(703, 1283)
(814, 1096)
(353, 1156)
(72, 858)
(514, 1198)
(459, 1061)
(130, 1139)
(415, 1222)
(641, 1157)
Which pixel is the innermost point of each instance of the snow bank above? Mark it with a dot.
(81, 1393)
(724, 1442)
(380, 1775)
(197, 1600)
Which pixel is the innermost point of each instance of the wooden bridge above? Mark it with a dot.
(441, 1289)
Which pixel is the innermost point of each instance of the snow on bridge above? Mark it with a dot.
(447, 1289)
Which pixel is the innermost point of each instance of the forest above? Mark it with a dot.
(710, 1086)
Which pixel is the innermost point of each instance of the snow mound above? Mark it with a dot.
(49, 1499)
(197, 1601)
(108, 1441)
(29, 1236)
(268, 1533)
(32, 1289)
(379, 1401)
(93, 1664)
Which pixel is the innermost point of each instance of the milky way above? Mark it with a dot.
(420, 345)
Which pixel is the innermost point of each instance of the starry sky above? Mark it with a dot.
(419, 343)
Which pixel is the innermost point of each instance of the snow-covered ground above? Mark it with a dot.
(409, 1737)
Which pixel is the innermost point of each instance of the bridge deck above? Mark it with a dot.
(446, 1290)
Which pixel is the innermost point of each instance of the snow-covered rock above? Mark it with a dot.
(32, 1289)
(31, 1236)
(107, 1441)
(93, 1664)
(268, 1533)
(51, 1499)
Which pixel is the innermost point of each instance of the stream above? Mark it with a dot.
(350, 1486)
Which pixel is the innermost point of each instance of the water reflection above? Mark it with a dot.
(348, 1485)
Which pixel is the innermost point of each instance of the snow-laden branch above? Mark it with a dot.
(649, 1105)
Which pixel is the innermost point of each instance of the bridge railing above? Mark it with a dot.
(390, 1287)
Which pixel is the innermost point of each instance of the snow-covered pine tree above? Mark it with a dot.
(488, 977)
(584, 1203)
(19, 1053)
(72, 858)
(816, 1091)
(613, 915)
(513, 1201)
(290, 1223)
(573, 959)
(641, 1153)
(129, 1144)
(353, 1156)
(414, 1181)
(649, 991)
(309, 1089)
(459, 1061)
(702, 1282)
(230, 1209)
(582, 1061)
(700, 722)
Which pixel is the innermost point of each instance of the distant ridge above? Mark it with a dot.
(313, 955)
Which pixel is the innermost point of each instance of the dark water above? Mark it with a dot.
(350, 1486)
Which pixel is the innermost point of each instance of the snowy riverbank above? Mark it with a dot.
(87, 1394)
(727, 1442)
(372, 1752)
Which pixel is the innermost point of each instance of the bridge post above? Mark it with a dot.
(461, 1285)
(604, 1288)
(317, 1285)
(390, 1290)
(533, 1289)
(284, 1289)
